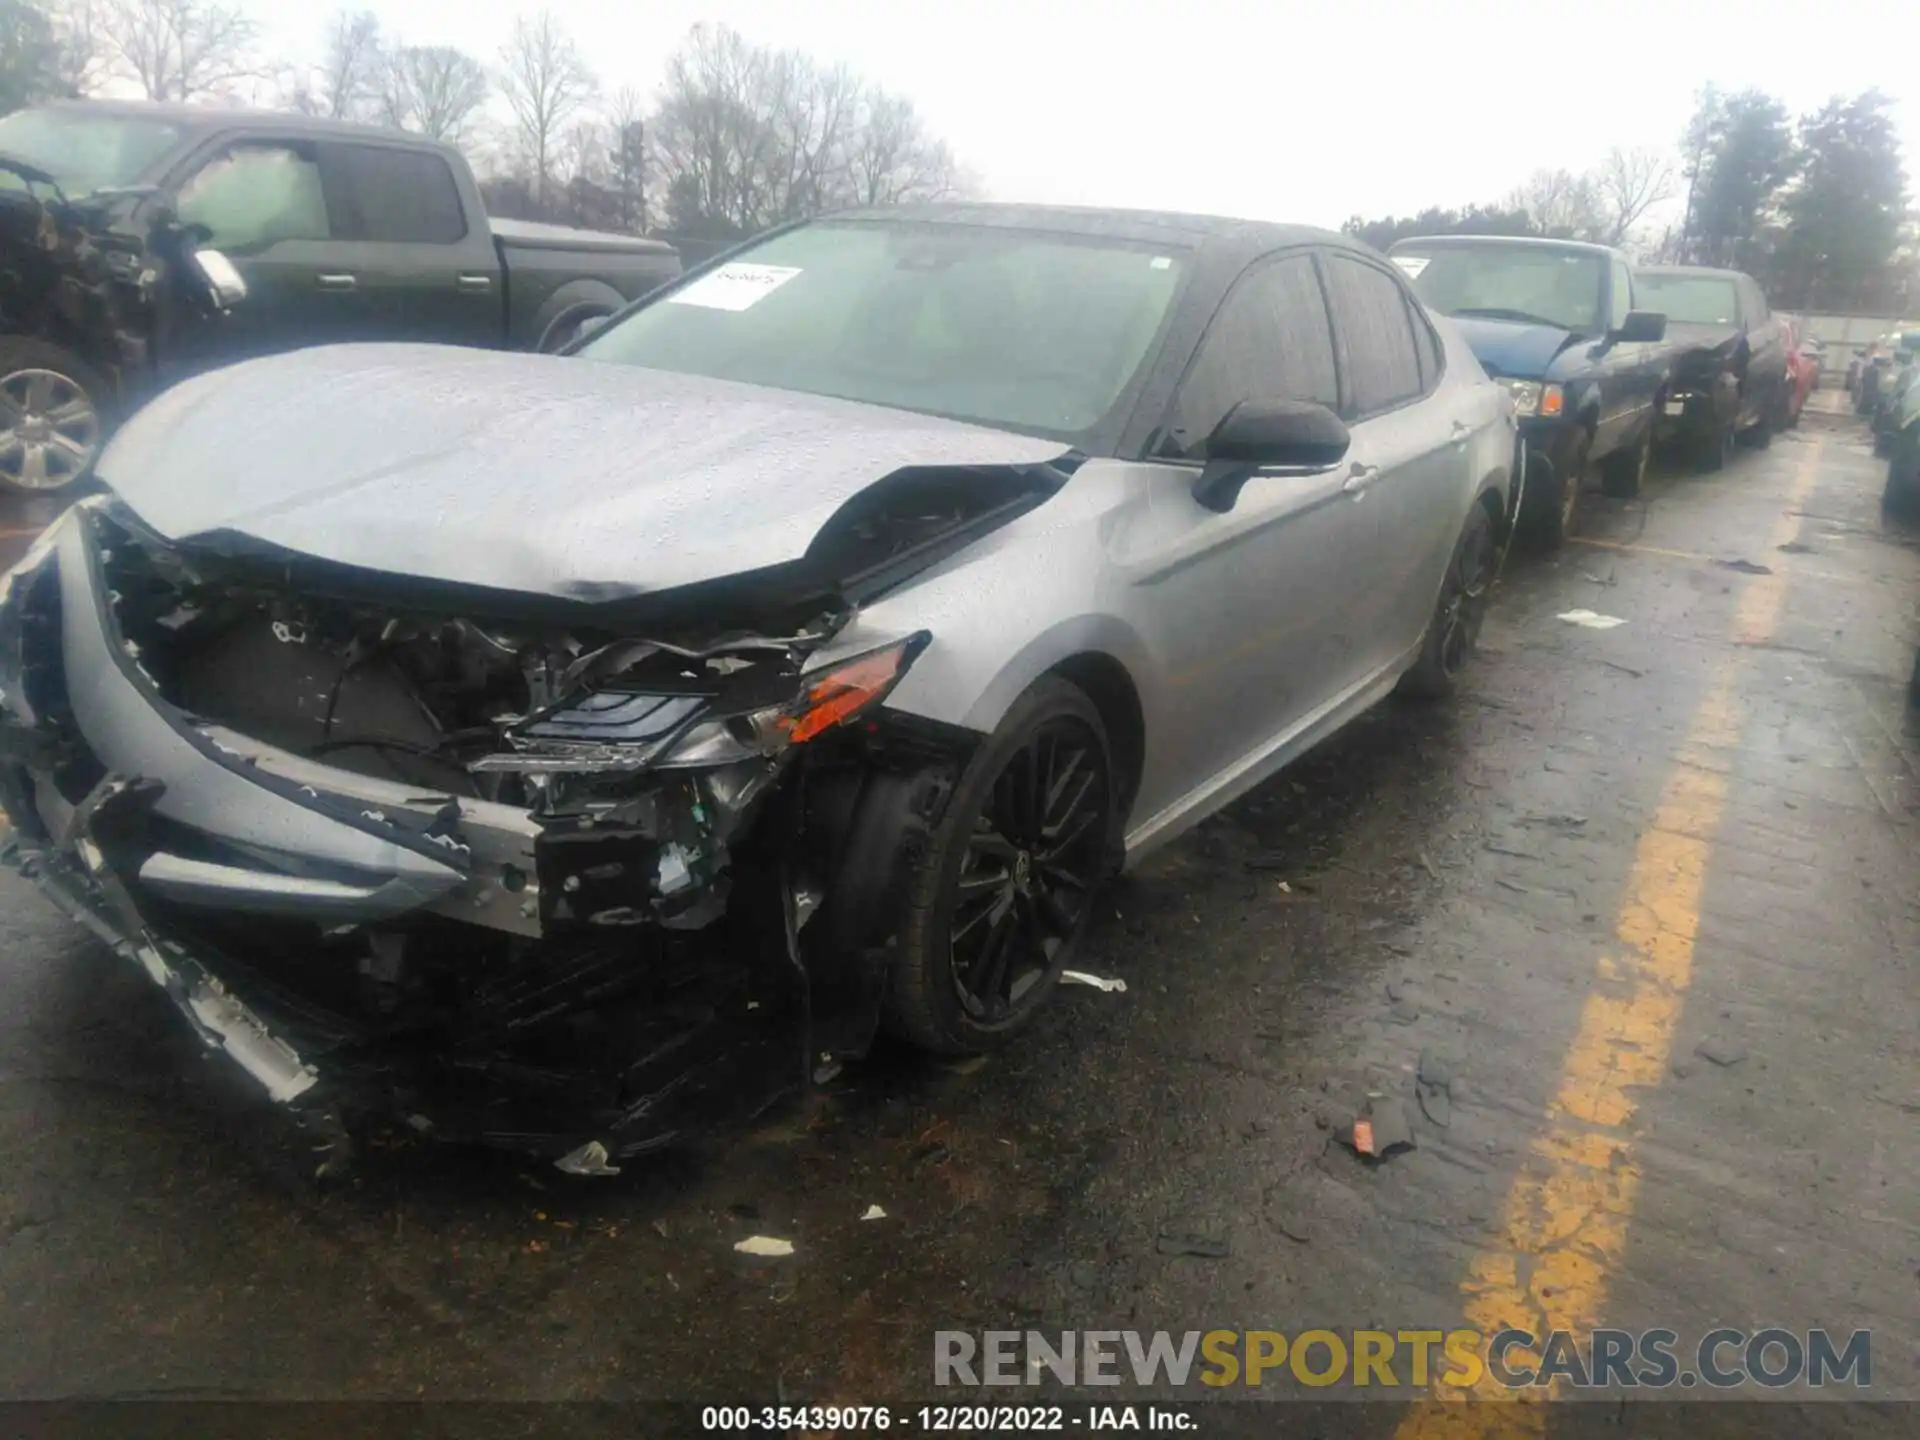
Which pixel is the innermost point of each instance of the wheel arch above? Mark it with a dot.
(1111, 688)
(63, 336)
(573, 302)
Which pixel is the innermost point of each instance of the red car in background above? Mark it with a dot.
(1803, 371)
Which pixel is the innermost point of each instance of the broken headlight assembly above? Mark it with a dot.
(832, 696)
(1530, 397)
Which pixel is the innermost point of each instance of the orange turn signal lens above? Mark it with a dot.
(837, 695)
(1552, 400)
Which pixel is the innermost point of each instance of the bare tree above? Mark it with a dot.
(181, 49)
(1562, 204)
(895, 158)
(627, 156)
(746, 137)
(432, 90)
(1630, 183)
(349, 76)
(708, 133)
(813, 114)
(83, 59)
(546, 84)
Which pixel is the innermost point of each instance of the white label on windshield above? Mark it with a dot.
(1162, 262)
(1412, 264)
(734, 287)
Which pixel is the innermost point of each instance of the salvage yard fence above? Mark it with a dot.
(1847, 336)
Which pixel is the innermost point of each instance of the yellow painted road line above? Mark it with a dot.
(1637, 549)
(1625, 547)
(1564, 1223)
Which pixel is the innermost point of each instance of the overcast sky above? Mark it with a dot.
(1308, 113)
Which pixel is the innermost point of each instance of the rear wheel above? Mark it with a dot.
(566, 329)
(998, 904)
(1454, 631)
(1713, 450)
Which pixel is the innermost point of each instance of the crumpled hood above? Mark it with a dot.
(1512, 350)
(541, 474)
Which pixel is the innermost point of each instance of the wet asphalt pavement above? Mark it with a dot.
(1647, 891)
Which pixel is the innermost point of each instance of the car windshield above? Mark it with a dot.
(1535, 284)
(86, 152)
(1692, 299)
(1039, 333)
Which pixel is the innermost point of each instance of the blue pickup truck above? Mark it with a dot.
(1556, 322)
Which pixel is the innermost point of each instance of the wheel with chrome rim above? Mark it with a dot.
(999, 904)
(51, 428)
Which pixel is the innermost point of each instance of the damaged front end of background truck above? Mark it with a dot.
(91, 287)
(567, 878)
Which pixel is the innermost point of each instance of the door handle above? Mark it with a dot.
(473, 284)
(1460, 432)
(1359, 478)
(336, 282)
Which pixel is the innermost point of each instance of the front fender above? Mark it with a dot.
(974, 686)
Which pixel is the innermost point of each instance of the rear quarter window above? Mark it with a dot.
(396, 195)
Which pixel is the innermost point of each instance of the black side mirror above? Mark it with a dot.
(1641, 327)
(1255, 435)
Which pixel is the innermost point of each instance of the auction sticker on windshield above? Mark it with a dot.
(1412, 264)
(734, 287)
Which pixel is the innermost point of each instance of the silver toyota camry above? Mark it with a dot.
(569, 752)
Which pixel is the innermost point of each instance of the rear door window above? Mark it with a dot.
(1373, 325)
(395, 195)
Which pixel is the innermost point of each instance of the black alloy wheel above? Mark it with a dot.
(1000, 902)
(1454, 632)
(1031, 864)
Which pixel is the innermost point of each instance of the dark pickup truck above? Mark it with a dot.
(1557, 322)
(1730, 376)
(333, 233)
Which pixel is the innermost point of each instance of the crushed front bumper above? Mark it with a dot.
(158, 830)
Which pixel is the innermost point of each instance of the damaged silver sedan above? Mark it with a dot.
(567, 753)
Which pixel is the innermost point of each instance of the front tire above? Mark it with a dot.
(1551, 523)
(1454, 632)
(52, 417)
(999, 903)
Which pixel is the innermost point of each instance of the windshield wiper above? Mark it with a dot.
(1495, 313)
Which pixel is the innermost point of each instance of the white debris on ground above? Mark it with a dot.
(1114, 986)
(765, 1246)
